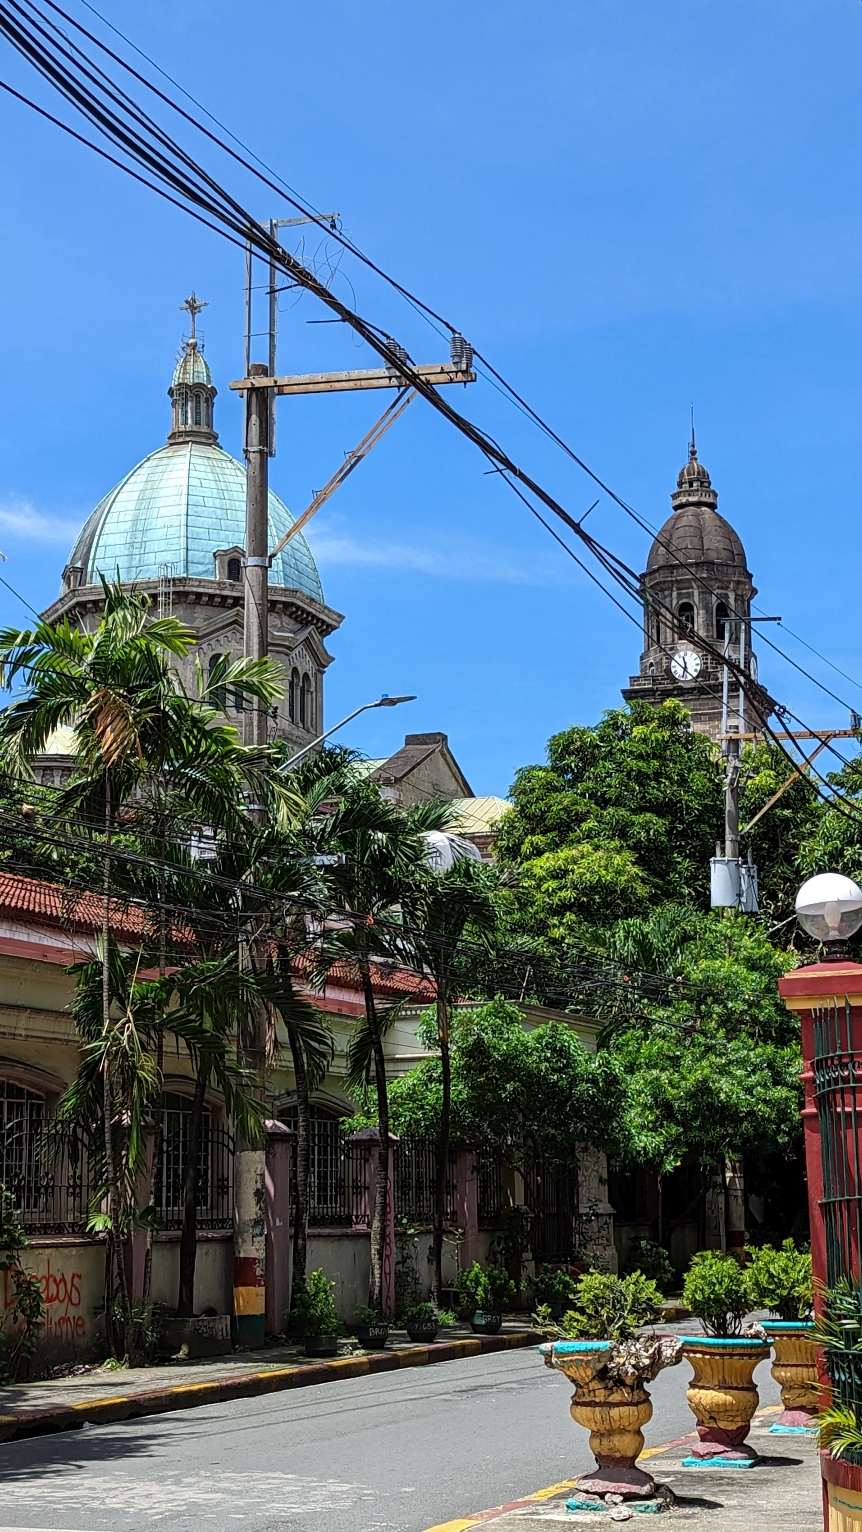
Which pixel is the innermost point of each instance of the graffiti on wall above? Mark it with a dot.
(62, 1299)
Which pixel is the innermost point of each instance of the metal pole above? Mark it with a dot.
(724, 687)
(256, 582)
(741, 711)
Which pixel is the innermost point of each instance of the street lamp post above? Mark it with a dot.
(383, 701)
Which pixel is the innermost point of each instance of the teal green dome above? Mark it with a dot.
(192, 368)
(174, 511)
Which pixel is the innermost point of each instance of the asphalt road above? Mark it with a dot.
(399, 1452)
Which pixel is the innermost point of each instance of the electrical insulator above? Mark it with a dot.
(461, 352)
(398, 351)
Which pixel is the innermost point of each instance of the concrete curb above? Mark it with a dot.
(186, 1396)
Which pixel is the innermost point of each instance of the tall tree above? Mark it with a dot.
(119, 689)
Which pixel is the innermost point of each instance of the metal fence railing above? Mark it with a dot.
(214, 1180)
(416, 1178)
(551, 1192)
(489, 1187)
(336, 1184)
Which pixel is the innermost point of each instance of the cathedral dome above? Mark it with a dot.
(695, 533)
(185, 502)
(173, 512)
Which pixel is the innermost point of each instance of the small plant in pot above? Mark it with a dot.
(370, 1328)
(312, 1315)
(780, 1280)
(653, 1260)
(599, 1345)
(422, 1322)
(722, 1395)
(554, 1290)
(485, 1294)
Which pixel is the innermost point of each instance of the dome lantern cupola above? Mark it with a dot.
(192, 391)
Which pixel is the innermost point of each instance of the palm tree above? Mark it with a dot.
(451, 911)
(380, 854)
(135, 727)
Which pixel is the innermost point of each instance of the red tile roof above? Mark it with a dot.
(389, 981)
(28, 901)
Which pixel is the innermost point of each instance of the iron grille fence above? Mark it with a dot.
(415, 1180)
(489, 1187)
(336, 1183)
(215, 1174)
(552, 1195)
(837, 1087)
(51, 1193)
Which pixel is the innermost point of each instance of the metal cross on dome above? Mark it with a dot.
(193, 305)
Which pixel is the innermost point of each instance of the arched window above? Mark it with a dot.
(184, 407)
(293, 696)
(234, 569)
(218, 694)
(722, 620)
(305, 702)
(197, 409)
(685, 618)
(22, 1115)
(213, 1190)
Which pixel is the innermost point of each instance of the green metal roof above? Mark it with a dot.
(176, 509)
(192, 368)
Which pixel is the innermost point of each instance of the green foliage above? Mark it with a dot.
(716, 1291)
(780, 1280)
(24, 1313)
(653, 1261)
(778, 840)
(839, 1324)
(420, 1314)
(550, 1285)
(365, 1318)
(841, 1432)
(641, 791)
(611, 1308)
(312, 1311)
(511, 1087)
(407, 1285)
(487, 1291)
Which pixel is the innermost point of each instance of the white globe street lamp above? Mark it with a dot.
(444, 850)
(829, 908)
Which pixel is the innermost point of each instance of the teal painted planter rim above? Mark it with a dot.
(722, 1342)
(574, 1347)
(788, 1324)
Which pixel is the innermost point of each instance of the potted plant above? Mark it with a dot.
(838, 1331)
(553, 1289)
(598, 1347)
(313, 1317)
(422, 1322)
(722, 1394)
(369, 1327)
(485, 1294)
(780, 1280)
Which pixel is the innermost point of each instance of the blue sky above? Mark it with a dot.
(626, 206)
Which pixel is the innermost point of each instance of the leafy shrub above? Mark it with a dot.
(780, 1280)
(24, 1314)
(366, 1318)
(487, 1291)
(611, 1308)
(653, 1260)
(312, 1311)
(716, 1291)
(553, 1286)
(421, 1314)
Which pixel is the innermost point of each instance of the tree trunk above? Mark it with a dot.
(189, 1232)
(381, 1184)
(158, 1147)
(303, 1144)
(442, 1145)
(115, 1251)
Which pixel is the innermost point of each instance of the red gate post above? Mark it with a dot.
(837, 985)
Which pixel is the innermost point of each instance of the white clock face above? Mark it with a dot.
(685, 665)
(752, 668)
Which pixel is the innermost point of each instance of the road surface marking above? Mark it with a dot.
(478, 1517)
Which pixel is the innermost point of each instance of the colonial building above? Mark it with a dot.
(696, 586)
(175, 526)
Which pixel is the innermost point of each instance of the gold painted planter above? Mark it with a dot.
(795, 1372)
(722, 1396)
(612, 1413)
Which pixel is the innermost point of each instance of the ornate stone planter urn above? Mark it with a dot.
(795, 1372)
(610, 1400)
(722, 1396)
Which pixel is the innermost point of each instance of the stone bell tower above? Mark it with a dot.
(697, 586)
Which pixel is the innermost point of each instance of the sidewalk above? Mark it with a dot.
(65, 1404)
(781, 1493)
